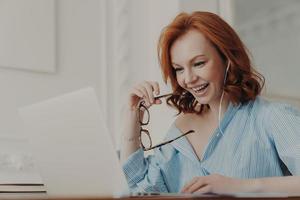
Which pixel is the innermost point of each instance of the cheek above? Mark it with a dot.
(218, 80)
(180, 81)
(216, 77)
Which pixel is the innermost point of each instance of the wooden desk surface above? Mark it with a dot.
(154, 197)
(187, 198)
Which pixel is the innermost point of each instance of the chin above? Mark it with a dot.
(207, 98)
(203, 100)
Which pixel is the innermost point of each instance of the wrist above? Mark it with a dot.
(133, 112)
(252, 185)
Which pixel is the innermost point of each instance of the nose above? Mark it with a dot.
(189, 77)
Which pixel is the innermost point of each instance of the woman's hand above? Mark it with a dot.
(218, 184)
(145, 91)
(131, 131)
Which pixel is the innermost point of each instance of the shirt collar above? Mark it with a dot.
(183, 145)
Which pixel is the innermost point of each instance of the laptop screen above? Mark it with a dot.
(72, 146)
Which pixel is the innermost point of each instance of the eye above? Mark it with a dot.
(178, 69)
(199, 64)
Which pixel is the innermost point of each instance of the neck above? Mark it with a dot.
(215, 106)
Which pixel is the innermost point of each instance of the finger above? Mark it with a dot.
(205, 189)
(156, 88)
(189, 184)
(157, 101)
(196, 186)
(136, 92)
(145, 94)
(149, 89)
(135, 97)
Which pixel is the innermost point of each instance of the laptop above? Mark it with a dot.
(72, 147)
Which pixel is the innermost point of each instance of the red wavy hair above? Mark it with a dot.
(243, 83)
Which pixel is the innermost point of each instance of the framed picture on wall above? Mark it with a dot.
(28, 35)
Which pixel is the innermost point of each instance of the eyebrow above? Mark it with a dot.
(191, 60)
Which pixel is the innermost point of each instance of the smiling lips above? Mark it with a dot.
(200, 88)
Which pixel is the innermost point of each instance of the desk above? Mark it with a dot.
(155, 197)
(180, 198)
(213, 198)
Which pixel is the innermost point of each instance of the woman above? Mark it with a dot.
(235, 141)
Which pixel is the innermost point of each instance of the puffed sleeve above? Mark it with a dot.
(144, 174)
(284, 128)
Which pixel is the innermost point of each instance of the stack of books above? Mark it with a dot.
(22, 188)
(18, 173)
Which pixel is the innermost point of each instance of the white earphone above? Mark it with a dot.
(220, 105)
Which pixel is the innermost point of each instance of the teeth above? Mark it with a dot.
(197, 89)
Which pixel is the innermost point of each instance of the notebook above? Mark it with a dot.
(72, 147)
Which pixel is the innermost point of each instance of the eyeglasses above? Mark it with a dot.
(145, 139)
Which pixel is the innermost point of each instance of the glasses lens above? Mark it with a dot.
(145, 119)
(145, 139)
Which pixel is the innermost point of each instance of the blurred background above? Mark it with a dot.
(51, 47)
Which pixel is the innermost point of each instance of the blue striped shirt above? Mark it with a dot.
(259, 138)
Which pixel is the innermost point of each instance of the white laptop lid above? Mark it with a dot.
(72, 146)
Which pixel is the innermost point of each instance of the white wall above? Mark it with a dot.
(271, 29)
(79, 42)
(201, 5)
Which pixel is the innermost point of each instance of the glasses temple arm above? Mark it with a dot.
(167, 142)
(162, 96)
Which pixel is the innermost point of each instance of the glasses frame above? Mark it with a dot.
(143, 108)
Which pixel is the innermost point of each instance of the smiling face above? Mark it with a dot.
(199, 67)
